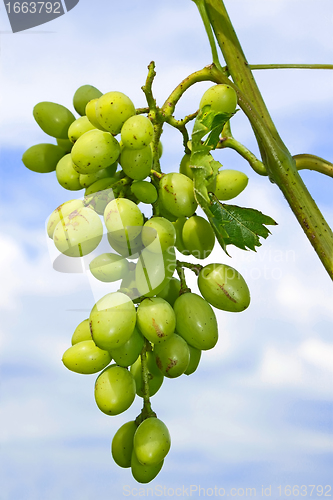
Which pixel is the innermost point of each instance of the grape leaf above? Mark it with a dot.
(209, 122)
(243, 226)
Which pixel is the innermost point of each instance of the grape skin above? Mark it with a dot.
(83, 95)
(151, 441)
(112, 111)
(78, 128)
(156, 319)
(42, 158)
(60, 213)
(114, 390)
(198, 237)
(137, 132)
(54, 119)
(176, 193)
(86, 358)
(67, 177)
(93, 151)
(122, 444)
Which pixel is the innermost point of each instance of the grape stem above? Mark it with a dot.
(196, 268)
(290, 66)
(312, 162)
(141, 111)
(180, 271)
(181, 126)
(228, 141)
(146, 411)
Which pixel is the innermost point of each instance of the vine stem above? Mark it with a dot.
(290, 66)
(183, 286)
(280, 165)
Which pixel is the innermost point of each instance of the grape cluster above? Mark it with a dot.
(153, 326)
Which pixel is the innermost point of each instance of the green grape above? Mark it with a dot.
(137, 164)
(153, 271)
(158, 234)
(114, 390)
(82, 332)
(112, 320)
(178, 225)
(79, 233)
(42, 158)
(156, 319)
(137, 132)
(151, 441)
(82, 96)
(112, 111)
(91, 114)
(196, 321)
(144, 473)
(123, 219)
(171, 291)
(198, 237)
(127, 354)
(94, 150)
(155, 377)
(86, 358)
(144, 191)
(122, 444)
(67, 177)
(184, 167)
(224, 287)
(109, 267)
(195, 356)
(176, 194)
(54, 119)
(65, 144)
(165, 213)
(60, 213)
(130, 248)
(102, 184)
(87, 180)
(79, 127)
(222, 99)
(229, 184)
(172, 356)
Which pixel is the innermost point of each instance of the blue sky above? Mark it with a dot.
(258, 411)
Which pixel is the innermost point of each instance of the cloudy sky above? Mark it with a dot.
(258, 412)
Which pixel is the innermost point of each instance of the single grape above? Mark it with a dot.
(198, 237)
(172, 356)
(144, 473)
(65, 144)
(122, 444)
(195, 356)
(137, 164)
(229, 184)
(54, 119)
(128, 353)
(42, 158)
(123, 219)
(94, 150)
(67, 177)
(154, 270)
(155, 376)
(87, 180)
(79, 127)
(112, 111)
(82, 332)
(86, 358)
(151, 441)
(60, 213)
(222, 99)
(112, 320)
(178, 225)
(184, 167)
(171, 291)
(196, 321)
(109, 267)
(176, 193)
(79, 233)
(137, 132)
(158, 234)
(114, 390)
(144, 191)
(82, 96)
(91, 114)
(224, 287)
(156, 319)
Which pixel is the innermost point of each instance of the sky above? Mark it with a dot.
(258, 412)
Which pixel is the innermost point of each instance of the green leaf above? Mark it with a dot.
(243, 226)
(211, 123)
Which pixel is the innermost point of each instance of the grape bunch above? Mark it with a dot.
(153, 326)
